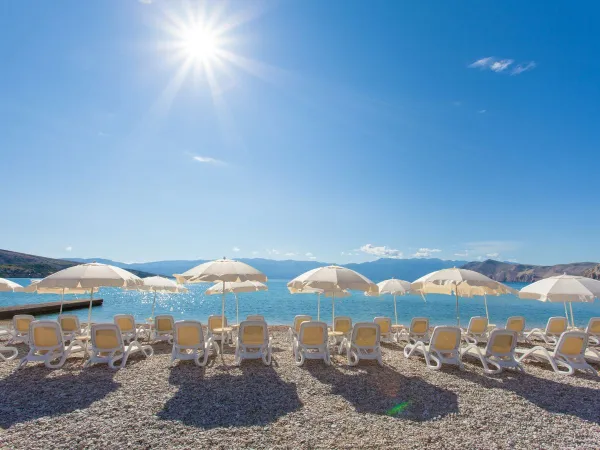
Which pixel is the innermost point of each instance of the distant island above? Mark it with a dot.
(21, 265)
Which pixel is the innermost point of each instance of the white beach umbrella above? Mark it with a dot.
(34, 287)
(461, 283)
(393, 287)
(8, 286)
(223, 271)
(333, 278)
(161, 285)
(90, 276)
(563, 289)
(236, 288)
(338, 294)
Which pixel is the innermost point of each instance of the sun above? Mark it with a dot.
(201, 45)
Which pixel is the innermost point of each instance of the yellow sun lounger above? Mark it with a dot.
(47, 344)
(311, 343)
(295, 328)
(593, 331)
(498, 353)
(567, 357)
(385, 327)
(418, 331)
(517, 324)
(442, 349)
(364, 343)
(20, 328)
(215, 329)
(70, 326)
(253, 342)
(128, 327)
(476, 332)
(554, 329)
(164, 328)
(343, 329)
(108, 346)
(189, 343)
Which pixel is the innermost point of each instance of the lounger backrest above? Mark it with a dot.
(45, 334)
(556, 325)
(164, 323)
(366, 334)
(21, 322)
(125, 322)
(516, 323)
(255, 317)
(385, 324)
(188, 333)
(298, 320)
(253, 332)
(419, 325)
(69, 323)
(106, 337)
(478, 325)
(343, 324)
(502, 342)
(572, 343)
(215, 322)
(445, 339)
(593, 326)
(313, 333)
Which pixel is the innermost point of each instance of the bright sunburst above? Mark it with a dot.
(200, 44)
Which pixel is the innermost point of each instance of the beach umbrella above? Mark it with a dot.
(319, 292)
(563, 289)
(34, 287)
(333, 278)
(91, 276)
(236, 288)
(161, 285)
(461, 283)
(8, 286)
(393, 287)
(224, 271)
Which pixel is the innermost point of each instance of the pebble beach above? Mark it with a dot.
(152, 404)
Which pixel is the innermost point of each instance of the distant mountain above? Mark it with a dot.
(381, 269)
(22, 265)
(594, 272)
(527, 273)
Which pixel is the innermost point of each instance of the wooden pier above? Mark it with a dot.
(7, 312)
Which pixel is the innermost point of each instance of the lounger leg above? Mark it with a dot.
(13, 353)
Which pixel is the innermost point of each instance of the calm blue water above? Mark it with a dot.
(279, 306)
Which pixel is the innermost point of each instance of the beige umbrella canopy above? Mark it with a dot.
(338, 294)
(8, 286)
(90, 276)
(333, 278)
(461, 283)
(236, 288)
(394, 287)
(158, 284)
(34, 287)
(563, 289)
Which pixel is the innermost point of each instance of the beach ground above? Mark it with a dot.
(151, 404)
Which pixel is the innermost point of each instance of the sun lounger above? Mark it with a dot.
(567, 357)
(385, 329)
(363, 343)
(295, 328)
(554, 329)
(343, 329)
(189, 343)
(47, 344)
(108, 346)
(128, 327)
(442, 349)
(476, 332)
(164, 328)
(253, 342)
(593, 331)
(70, 326)
(498, 353)
(20, 328)
(517, 324)
(215, 329)
(418, 331)
(311, 343)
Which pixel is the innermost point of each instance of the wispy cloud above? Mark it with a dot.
(290, 254)
(462, 254)
(426, 252)
(272, 251)
(499, 65)
(145, 2)
(68, 248)
(482, 111)
(235, 249)
(492, 255)
(209, 160)
(381, 251)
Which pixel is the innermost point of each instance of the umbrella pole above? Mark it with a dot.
(395, 309)
(223, 320)
(153, 303)
(333, 311)
(457, 311)
(237, 311)
(319, 307)
(487, 314)
(572, 316)
(566, 312)
(62, 299)
(90, 310)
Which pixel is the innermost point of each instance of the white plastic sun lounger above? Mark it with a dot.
(13, 352)
(295, 328)
(189, 343)
(593, 331)
(311, 343)
(70, 326)
(554, 328)
(108, 346)
(476, 332)
(364, 343)
(164, 328)
(517, 324)
(418, 331)
(385, 327)
(442, 349)
(253, 342)
(20, 328)
(498, 353)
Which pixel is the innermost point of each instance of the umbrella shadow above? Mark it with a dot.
(256, 397)
(384, 391)
(34, 392)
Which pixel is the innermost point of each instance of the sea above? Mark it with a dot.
(279, 307)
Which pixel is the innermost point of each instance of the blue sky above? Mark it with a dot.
(341, 131)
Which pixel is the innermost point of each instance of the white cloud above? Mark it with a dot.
(520, 68)
(500, 66)
(209, 160)
(309, 254)
(480, 258)
(235, 249)
(492, 255)
(482, 63)
(145, 2)
(381, 251)
(290, 254)
(482, 111)
(68, 248)
(272, 251)
(463, 254)
(426, 252)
